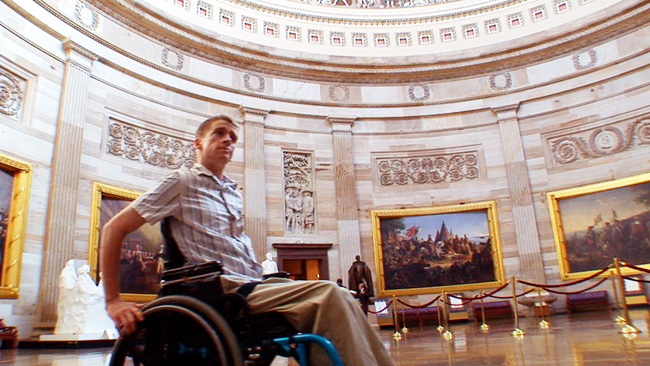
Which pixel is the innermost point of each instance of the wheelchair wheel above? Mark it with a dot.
(179, 330)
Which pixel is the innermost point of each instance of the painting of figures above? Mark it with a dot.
(597, 223)
(6, 186)
(434, 249)
(141, 260)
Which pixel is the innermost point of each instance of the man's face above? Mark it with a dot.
(218, 142)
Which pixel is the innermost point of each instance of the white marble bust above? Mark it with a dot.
(269, 265)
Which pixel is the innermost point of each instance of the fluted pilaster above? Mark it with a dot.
(531, 265)
(255, 179)
(346, 193)
(62, 210)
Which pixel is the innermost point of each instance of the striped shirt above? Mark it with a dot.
(206, 219)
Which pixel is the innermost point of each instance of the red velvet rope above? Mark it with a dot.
(636, 279)
(636, 268)
(547, 286)
(463, 300)
(379, 311)
(510, 297)
(577, 292)
(418, 306)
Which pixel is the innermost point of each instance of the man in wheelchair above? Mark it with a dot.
(204, 212)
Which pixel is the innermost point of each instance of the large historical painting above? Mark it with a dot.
(427, 250)
(140, 257)
(15, 177)
(597, 223)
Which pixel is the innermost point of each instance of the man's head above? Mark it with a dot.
(215, 143)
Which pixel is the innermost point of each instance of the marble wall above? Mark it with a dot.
(68, 86)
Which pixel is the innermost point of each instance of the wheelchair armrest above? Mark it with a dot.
(193, 271)
(281, 274)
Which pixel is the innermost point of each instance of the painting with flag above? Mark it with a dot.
(420, 250)
(594, 224)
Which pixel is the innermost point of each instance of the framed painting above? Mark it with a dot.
(594, 224)
(428, 250)
(15, 180)
(140, 257)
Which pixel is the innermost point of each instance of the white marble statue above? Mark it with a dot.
(269, 265)
(81, 306)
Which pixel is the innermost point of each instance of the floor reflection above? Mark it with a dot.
(584, 339)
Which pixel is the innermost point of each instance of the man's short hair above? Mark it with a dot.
(205, 125)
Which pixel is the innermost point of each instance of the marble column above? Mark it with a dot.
(346, 194)
(62, 208)
(531, 265)
(255, 179)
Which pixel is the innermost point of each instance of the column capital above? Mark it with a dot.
(506, 111)
(341, 124)
(253, 115)
(78, 54)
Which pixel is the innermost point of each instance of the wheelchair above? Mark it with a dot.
(193, 322)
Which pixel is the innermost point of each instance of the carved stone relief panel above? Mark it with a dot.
(12, 93)
(426, 168)
(299, 202)
(598, 141)
(149, 147)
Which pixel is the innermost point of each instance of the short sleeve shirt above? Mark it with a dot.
(206, 218)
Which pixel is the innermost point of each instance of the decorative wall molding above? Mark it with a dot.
(417, 169)
(299, 202)
(149, 147)
(419, 92)
(86, 16)
(585, 60)
(172, 59)
(12, 93)
(599, 141)
(254, 83)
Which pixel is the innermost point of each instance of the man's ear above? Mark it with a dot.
(197, 143)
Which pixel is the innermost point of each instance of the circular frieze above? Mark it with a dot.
(172, 59)
(419, 92)
(584, 60)
(254, 83)
(86, 16)
(11, 95)
(339, 93)
(501, 81)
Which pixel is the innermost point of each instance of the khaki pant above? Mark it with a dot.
(322, 307)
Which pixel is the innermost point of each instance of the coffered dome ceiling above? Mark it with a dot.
(378, 44)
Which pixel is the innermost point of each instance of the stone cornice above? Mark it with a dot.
(379, 71)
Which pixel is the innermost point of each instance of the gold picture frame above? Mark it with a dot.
(596, 223)
(428, 250)
(15, 182)
(140, 265)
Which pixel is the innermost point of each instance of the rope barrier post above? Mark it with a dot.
(441, 328)
(628, 328)
(543, 323)
(619, 317)
(517, 332)
(484, 327)
(404, 328)
(448, 334)
(397, 335)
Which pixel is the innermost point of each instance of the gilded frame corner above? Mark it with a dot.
(486, 218)
(17, 223)
(588, 201)
(101, 192)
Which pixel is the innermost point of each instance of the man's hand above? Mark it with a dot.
(126, 315)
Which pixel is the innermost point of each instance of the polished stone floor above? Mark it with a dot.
(584, 339)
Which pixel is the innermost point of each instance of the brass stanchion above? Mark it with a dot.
(484, 327)
(448, 334)
(543, 323)
(440, 328)
(620, 319)
(628, 328)
(404, 328)
(397, 335)
(517, 332)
